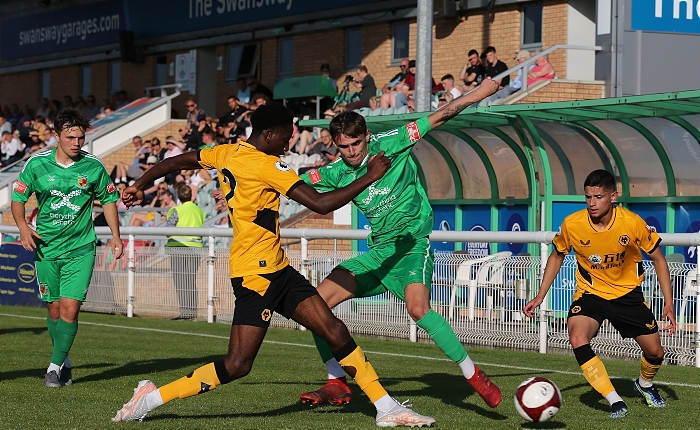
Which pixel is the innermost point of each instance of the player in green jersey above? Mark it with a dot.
(65, 180)
(400, 259)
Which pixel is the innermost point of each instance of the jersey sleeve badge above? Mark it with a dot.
(282, 166)
(315, 176)
(412, 131)
(111, 188)
(20, 187)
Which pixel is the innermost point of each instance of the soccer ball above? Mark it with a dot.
(537, 399)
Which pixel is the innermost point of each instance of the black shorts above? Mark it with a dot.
(258, 296)
(629, 314)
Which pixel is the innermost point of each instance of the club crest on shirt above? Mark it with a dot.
(412, 131)
(282, 166)
(111, 188)
(624, 240)
(82, 181)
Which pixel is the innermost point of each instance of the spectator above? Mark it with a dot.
(193, 113)
(409, 86)
(156, 149)
(123, 172)
(243, 91)
(48, 137)
(33, 143)
(14, 115)
(91, 108)
(542, 71)
(11, 149)
(366, 87)
(174, 146)
(258, 88)
(259, 100)
(208, 138)
(121, 99)
(496, 67)
(321, 147)
(44, 108)
(473, 71)
(236, 109)
(68, 102)
(326, 71)
(5, 126)
(163, 198)
(394, 86)
(513, 87)
(24, 127)
(184, 263)
(448, 83)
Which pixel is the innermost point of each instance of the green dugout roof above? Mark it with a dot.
(305, 86)
(534, 153)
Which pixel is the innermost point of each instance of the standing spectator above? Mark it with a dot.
(495, 67)
(44, 108)
(513, 87)
(542, 71)
(473, 71)
(365, 84)
(91, 108)
(258, 88)
(5, 125)
(184, 263)
(193, 112)
(243, 91)
(65, 252)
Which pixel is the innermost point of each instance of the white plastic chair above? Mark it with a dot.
(691, 289)
(489, 271)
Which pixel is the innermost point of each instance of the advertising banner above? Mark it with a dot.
(18, 284)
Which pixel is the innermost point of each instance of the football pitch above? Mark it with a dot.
(112, 353)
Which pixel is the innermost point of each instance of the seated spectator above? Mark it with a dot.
(258, 100)
(513, 87)
(5, 125)
(542, 71)
(14, 115)
(365, 85)
(300, 140)
(394, 86)
(91, 108)
(157, 149)
(258, 88)
(319, 147)
(24, 127)
(208, 139)
(473, 71)
(236, 109)
(121, 99)
(409, 87)
(496, 67)
(193, 113)
(448, 83)
(11, 148)
(123, 172)
(162, 199)
(243, 91)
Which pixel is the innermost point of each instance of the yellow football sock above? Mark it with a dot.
(648, 370)
(358, 366)
(596, 375)
(200, 381)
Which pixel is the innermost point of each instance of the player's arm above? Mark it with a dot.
(554, 263)
(26, 233)
(324, 203)
(112, 217)
(664, 277)
(451, 109)
(133, 195)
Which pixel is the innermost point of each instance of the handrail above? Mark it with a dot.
(162, 88)
(532, 59)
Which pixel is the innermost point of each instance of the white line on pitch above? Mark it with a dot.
(391, 354)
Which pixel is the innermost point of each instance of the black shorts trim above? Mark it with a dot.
(287, 288)
(629, 314)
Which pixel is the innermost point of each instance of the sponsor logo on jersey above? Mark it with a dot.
(20, 187)
(111, 188)
(50, 178)
(585, 243)
(315, 176)
(576, 309)
(82, 181)
(624, 240)
(65, 200)
(266, 315)
(282, 166)
(412, 131)
(375, 192)
(595, 259)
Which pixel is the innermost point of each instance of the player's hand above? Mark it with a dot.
(26, 236)
(217, 194)
(488, 86)
(530, 307)
(378, 165)
(117, 247)
(670, 315)
(132, 196)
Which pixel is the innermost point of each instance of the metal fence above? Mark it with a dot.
(481, 297)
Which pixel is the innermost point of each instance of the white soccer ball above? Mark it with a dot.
(537, 399)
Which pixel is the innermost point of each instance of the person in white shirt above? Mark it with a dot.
(11, 148)
(5, 125)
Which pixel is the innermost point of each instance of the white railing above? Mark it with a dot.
(482, 297)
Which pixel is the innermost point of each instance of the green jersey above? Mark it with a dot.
(64, 195)
(396, 205)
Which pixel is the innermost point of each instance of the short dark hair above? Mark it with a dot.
(348, 123)
(271, 116)
(601, 178)
(68, 118)
(232, 97)
(362, 68)
(489, 50)
(448, 76)
(473, 52)
(184, 193)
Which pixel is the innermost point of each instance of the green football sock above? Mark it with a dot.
(323, 349)
(51, 325)
(63, 340)
(443, 336)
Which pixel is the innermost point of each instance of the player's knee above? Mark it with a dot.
(337, 334)
(237, 367)
(655, 354)
(577, 340)
(417, 310)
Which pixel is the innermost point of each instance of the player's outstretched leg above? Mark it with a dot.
(595, 373)
(336, 390)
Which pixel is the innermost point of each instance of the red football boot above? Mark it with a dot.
(336, 392)
(485, 388)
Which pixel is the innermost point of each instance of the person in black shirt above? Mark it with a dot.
(258, 88)
(365, 85)
(473, 72)
(496, 67)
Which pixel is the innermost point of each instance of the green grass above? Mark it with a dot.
(112, 353)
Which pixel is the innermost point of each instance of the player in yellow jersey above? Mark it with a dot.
(606, 240)
(252, 178)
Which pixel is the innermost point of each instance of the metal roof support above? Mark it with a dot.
(456, 177)
(594, 144)
(493, 179)
(563, 159)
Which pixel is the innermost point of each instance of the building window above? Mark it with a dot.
(85, 80)
(45, 84)
(241, 61)
(286, 66)
(353, 47)
(399, 41)
(115, 76)
(532, 26)
(161, 70)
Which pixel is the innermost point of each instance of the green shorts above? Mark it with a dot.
(68, 276)
(392, 267)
